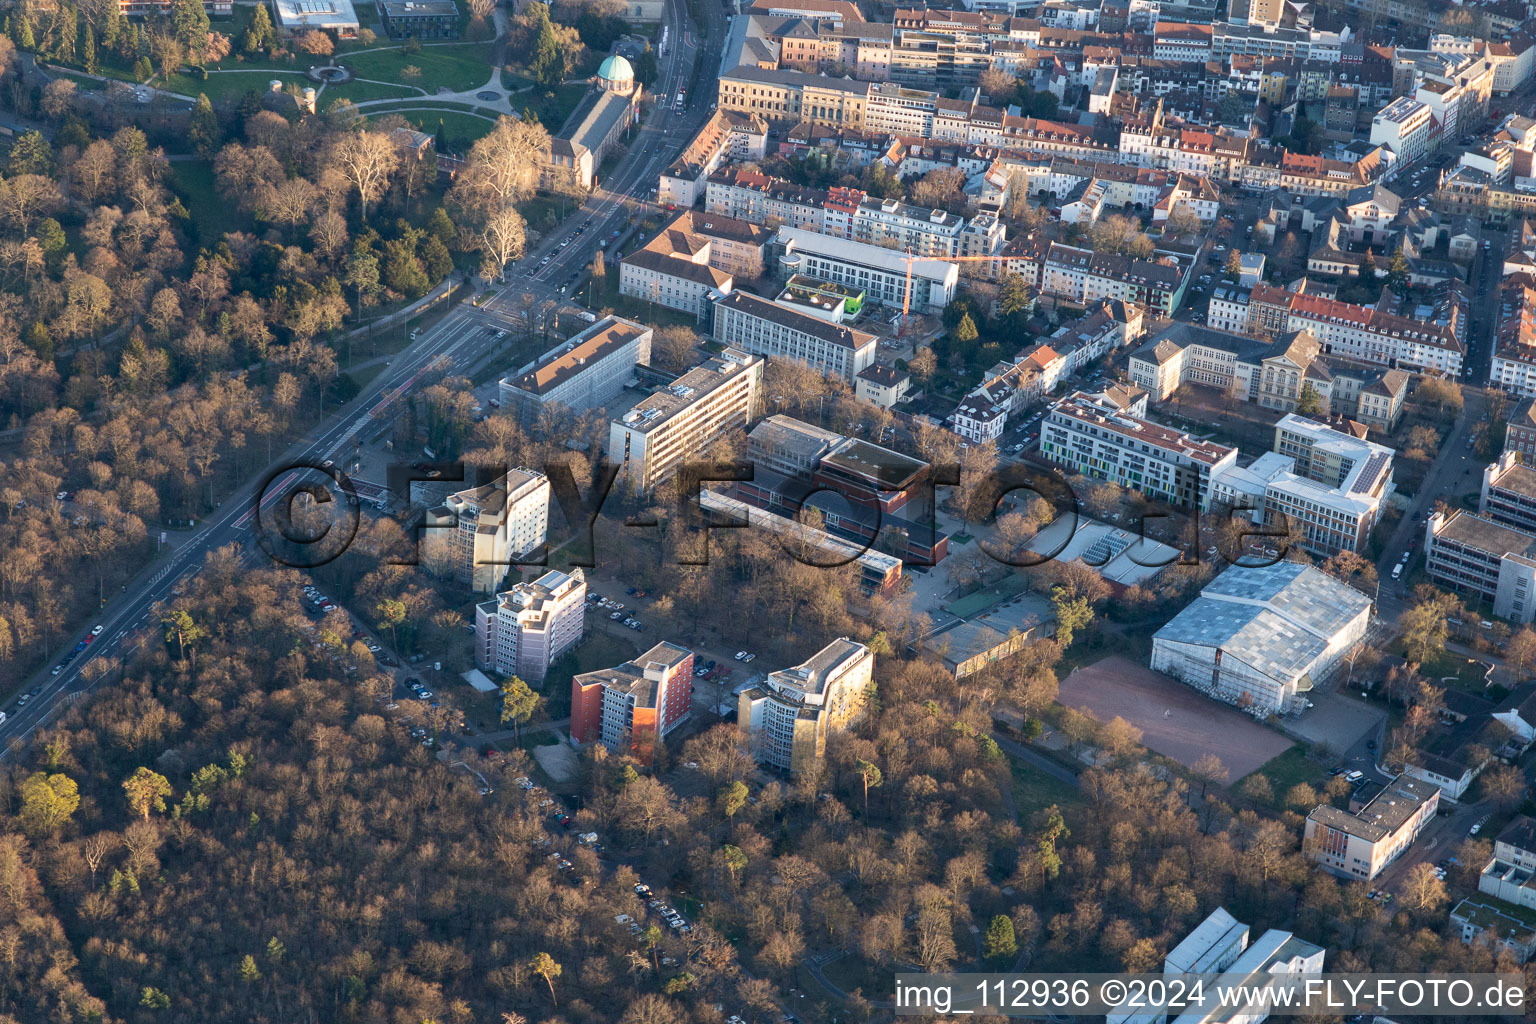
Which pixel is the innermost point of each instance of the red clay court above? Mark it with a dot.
(1175, 720)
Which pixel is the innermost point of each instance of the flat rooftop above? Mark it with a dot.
(794, 320)
(892, 471)
(1518, 478)
(1398, 801)
(812, 675)
(658, 407)
(1481, 534)
(637, 677)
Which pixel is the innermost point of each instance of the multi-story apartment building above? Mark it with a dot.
(1407, 126)
(1361, 842)
(1082, 276)
(943, 49)
(765, 328)
(523, 631)
(787, 720)
(474, 536)
(679, 421)
(851, 214)
(1363, 333)
(631, 707)
(1514, 339)
(1509, 492)
(1468, 552)
(881, 273)
(1092, 435)
(580, 374)
(759, 199)
(1520, 432)
(727, 135)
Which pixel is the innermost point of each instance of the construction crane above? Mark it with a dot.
(906, 293)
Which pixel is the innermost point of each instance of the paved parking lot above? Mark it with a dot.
(1338, 721)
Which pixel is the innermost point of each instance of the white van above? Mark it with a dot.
(1397, 571)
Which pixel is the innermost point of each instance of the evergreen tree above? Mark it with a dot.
(1398, 271)
(966, 332)
(88, 49)
(258, 36)
(143, 70)
(24, 38)
(1001, 943)
(190, 24)
(68, 26)
(111, 26)
(545, 62)
(204, 133)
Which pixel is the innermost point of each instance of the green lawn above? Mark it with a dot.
(1467, 673)
(1290, 768)
(193, 181)
(230, 85)
(460, 129)
(553, 108)
(1035, 790)
(456, 68)
(361, 92)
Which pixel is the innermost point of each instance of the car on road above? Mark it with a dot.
(1354, 776)
(96, 630)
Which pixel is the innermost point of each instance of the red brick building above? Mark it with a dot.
(631, 707)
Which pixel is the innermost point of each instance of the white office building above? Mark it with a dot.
(881, 273)
(684, 418)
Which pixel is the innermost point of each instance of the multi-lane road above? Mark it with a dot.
(455, 343)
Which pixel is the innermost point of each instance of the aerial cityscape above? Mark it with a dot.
(766, 511)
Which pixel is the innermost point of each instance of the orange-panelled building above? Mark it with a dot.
(631, 707)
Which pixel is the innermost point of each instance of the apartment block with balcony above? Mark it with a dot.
(1467, 552)
(788, 719)
(681, 420)
(1090, 434)
(1359, 843)
(525, 630)
(1509, 492)
(474, 536)
(632, 707)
